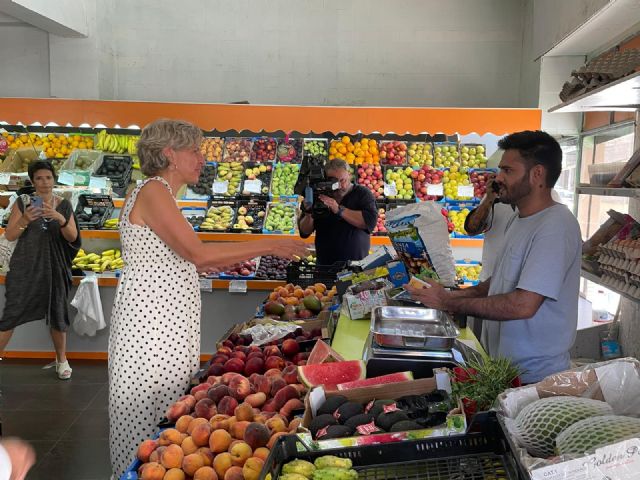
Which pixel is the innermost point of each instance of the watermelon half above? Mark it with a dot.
(332, 373)
(381, 380)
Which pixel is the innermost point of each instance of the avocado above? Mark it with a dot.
(386, 420)
(348, 410)
(320, 422)
(358, 420)
(405, 426)
(378, 405)
(337, 431)
(331, 404)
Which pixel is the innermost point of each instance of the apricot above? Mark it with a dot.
(234, 473)
(191, 463)
(183, 423)
(262, 453)
(194, 423)
(205, 473)
(174, 474)
(252, 468)
(200, 434)
(240, 452)
(221, 463)
(276, 424)
(274, 439)
(172, 457)
(237, 430)
(219, 441)
(207, 455)
(219, 421)
(152, 471)
(170, 436)
(256, 435)
(244, 412)
(145, 449)
(188, 446)
(155, 455)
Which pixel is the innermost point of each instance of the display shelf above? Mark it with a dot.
(621, 95)
(592, 277)
(608, 191)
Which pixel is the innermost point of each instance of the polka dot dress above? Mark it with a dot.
(154, 341)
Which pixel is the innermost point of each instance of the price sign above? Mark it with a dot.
(220, 187)
(435, 190)
(253, 186)
(206, 284)
(465, 190)
(238, 286)
(390, 190)
(99, 183)
(5, 178)
(66, 178)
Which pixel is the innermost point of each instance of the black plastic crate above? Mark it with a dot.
(264, 177)
(304, 274)
(473, 456)
(217, 204)
(88, 217)
(254, 207)
(117, 168)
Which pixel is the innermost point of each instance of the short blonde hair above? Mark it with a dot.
(162, 133)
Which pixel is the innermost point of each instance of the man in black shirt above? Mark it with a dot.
(343, 234)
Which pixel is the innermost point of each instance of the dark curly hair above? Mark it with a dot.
(40, 165)
(536, 148)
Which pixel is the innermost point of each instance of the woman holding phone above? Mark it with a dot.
(39, 278)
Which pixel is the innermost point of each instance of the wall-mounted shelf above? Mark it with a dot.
(608, 191)
(592, 277)
(621, 95)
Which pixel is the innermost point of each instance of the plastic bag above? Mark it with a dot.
(90, 317)
(265, 333)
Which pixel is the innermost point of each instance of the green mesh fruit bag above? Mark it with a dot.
(539, 423)
(595, 432)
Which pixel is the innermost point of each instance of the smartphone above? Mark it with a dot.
(36, 202)
(495, 187)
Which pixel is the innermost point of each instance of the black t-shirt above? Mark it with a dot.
(338, 240)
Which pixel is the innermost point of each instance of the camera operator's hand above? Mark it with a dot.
(32, 213)
(330, 203)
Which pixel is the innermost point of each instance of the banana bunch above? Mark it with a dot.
(108, 260)
(112, 224)
(117, 143)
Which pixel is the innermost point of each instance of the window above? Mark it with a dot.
(566, 184)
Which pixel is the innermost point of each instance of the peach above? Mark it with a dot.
(252, 468)
(194, 423)
(291, 406)
(240, 452)
(170, 436)
(219, 421)
(239, 387)
(205, 473)
(254, 354)
(260, 418)
(205, 408)
(256, 435)
(256, 399)
(217, 359)
(189, 400)
(262, 453)
(155, 455)
(178, 409)
(254, 365)
(152, 471)
(262, 384)
(198, 388)
(232, 421)
(283, 395)
(191, 463)
(300, 387)
(271, 350)
(213, 379)
(244, 411)
(183, 423)
(227, 405)
(221, 463)
(219, 441)
(239, 354)
(188, 446)
(276, 424)
(218, 392)
(174, 474)
(269, 407)
(224, 351)
(294, 424)
(234, 473)
(200, 395)
(234, 365)
(226, 378)
(273, 372)
(290, 374)
(172, 457)
(200, 434)
(237, 430)
(145, 449)
(274, 362)
(207, 455)
(290, 347)
(274, 439)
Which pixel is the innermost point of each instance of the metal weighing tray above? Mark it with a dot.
(409, 327)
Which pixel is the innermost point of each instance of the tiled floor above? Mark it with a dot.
(67, 422)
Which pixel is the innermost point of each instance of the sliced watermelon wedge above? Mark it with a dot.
(332, 373)
(322, 353)
(381, 380)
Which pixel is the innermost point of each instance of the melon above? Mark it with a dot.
(591, 433)
(539, 423)
(322, 353)
(381, 380)
(332, 373)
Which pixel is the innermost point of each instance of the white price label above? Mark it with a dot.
(206, 284)
(253, 186)
(238, 286)
(66, 178)
(220, 187)
(435, 190)
(99, 183)
(465, 190)
(390, 190)
(5, 178)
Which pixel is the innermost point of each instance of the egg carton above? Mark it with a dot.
(625, 264)
(620, 285)
(622, 249)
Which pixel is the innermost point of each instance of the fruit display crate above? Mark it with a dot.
(380, 229)
(237, 149)
(481, 455)
(462, 209)
(256, 209)
(93, 210)
(419, 154)
(461, 266)
(458, 187)
(263, 150)
(239, 270)
(202, 190)
(116, 167)
(393, 153)
(392, 178)
(228, 180)
(445, 154)
(479, 178)
(473, 155)
(371, 177)
(289, 150)
(256, 180)
(428, 184)
(212, 148)
(272, 268)
(283, 180)
(304, 274)
(215, 211)
(194, 215)
(315, 147)
(279, 212)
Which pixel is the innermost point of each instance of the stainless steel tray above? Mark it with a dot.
(410, 327)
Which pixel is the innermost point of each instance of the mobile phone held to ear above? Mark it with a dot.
(495, 187)
(36, 202)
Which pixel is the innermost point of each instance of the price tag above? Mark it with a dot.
(253, 186)
(66, 178)
(99, 183)
(5, 178)
(206, 285)
(238, 286)
(390, 190)
(435, 190)
(220, 187)
(465, 190)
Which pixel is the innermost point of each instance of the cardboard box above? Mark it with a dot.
(456, 423)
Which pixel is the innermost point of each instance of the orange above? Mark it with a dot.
(333, 150)
(346, 140)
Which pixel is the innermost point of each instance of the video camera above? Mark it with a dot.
(313, 182)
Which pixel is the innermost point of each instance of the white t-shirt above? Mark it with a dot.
(494, 237)
(5, 464)
(541, 253)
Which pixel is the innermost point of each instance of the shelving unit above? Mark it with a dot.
(608, 191)
(596, 279)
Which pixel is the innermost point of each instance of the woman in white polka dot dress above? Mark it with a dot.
(154, 339)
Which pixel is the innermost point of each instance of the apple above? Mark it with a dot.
(393, 153)
(419, 154)
(370, 176)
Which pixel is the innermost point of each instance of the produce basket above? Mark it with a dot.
(249, 266)
(214, 213)
(82, 159)
(479, 178)
(256, 180)
(473, 156)
(93, 210)
(482, 455)
(202, 189)
(194, 215)
(393, 153)
(116, 167)
(419, 154)
(237, 149)
(273, 209)
(212, 148)
(462, 268)
(315, 147)
(304, 275)
(391, 190)
(462, 210)
(380, 229)
(289, 150)
(256, 209)
(445, 154)
(264, 150)
(455, 189)
(428, 184)
(283, 180)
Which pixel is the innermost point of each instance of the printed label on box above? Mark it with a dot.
(220, 187)
(253, 186)
(390, 190)
(436, 190)
(465, 190)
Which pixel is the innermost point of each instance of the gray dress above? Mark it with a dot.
(39, 278)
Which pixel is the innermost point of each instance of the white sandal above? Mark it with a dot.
(63, 370)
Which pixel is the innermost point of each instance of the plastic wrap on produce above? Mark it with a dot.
(419, 235)
(616, 382)
(265, 333)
